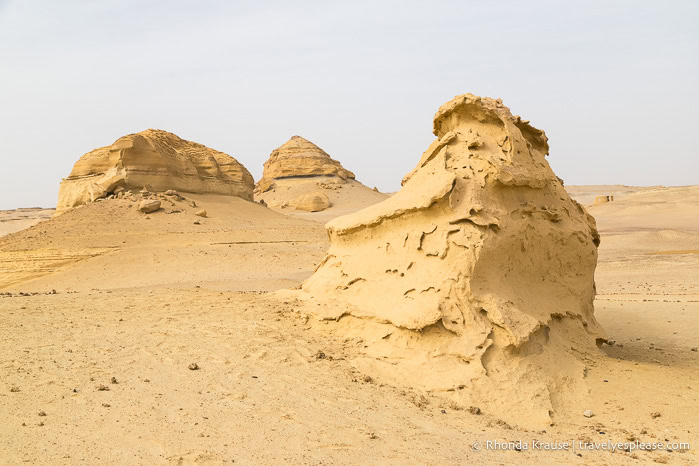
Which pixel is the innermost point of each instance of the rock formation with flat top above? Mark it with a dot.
(476, 279)
(158, 159)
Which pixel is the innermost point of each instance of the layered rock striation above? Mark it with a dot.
(299, 157)
(157, 159)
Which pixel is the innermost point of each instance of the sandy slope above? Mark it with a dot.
(346, 196)
(263, 393)
(231, 249)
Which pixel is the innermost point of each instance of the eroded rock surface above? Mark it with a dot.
(299, 157)
(157, 159)
(147, 206)
(312, 202)
(477, 277)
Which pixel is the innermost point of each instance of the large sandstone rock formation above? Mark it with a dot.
(158, 159)
(477, 277)
(299, 157)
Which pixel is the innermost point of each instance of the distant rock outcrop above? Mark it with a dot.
(603, 199)
(299, 157)
(158, 159)
(312, 202)
(477, 277)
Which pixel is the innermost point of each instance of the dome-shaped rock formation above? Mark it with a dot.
(158, 159)
(479, 272)
(312, 202)
(299, 157)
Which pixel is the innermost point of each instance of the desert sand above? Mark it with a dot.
(174, 338)
(20, 219)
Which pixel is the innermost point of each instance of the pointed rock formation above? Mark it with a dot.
(299, 157)
(477, 277)
(158, 159)
(299, 177)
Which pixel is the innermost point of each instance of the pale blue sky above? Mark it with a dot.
(613, 83)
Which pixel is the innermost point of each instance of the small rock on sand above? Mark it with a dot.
(148, 206)
(588, 413)
(194, 366)
(200, 213)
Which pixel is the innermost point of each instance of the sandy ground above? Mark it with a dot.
(20, 219)
(144, 299)
(586, 194)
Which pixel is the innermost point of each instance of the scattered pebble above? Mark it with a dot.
(474, 410)
(655, 415)
(114, 380)
(14, 389)
(42, 413)
(194, 366)
(102, 388)
(588, 413)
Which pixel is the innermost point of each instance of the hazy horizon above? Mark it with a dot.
(613, 84)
